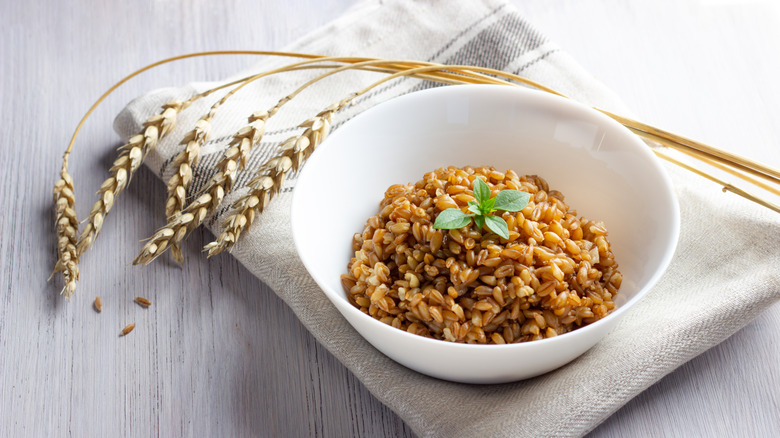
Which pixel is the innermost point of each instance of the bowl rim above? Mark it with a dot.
(632, 141)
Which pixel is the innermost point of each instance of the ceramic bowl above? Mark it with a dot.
(605, 173)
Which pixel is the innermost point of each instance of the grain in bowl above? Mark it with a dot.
(553, 272)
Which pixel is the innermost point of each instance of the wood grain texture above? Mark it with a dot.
(218, 354)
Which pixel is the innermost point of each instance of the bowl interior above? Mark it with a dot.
(604, 172)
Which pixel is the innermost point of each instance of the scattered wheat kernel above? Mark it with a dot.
(98, 304)
(143, 301)
(127, 329)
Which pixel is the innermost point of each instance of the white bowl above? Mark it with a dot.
(604, 171)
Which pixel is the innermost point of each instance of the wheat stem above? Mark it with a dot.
(727, 187)
(704, 153)
(729, 157)
(720, 165)
(698, 150)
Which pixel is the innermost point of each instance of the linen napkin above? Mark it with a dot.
(722, 276)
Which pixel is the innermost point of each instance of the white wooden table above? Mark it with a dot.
(218, 354)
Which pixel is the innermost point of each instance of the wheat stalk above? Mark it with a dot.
(727, 187)
(269, 182)
(271, 175)
(131, 155)
(130, 158)
(236, 155)
(450, 74)
(215, 190)
(233, 159)
(180, 223)
(294, 151)
(184, 161)
(66, 225)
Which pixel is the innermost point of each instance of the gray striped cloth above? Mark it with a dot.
(694, 307)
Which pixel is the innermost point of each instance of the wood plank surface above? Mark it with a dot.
(217, 353)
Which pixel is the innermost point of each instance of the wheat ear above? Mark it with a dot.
(233, 159)
(131, 156)
(180, 223)
(236, 155)
(66, 225)
(271, 175)
(188, 158)
(183, 163)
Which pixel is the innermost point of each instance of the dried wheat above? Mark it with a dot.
(234, 158)
(268, 182)
(143, 301)
(98, 304)
(237, 153)
(184, 161)
(270, 177)
(174, 232)
(66, 225)
(130, 158)
(181, 222)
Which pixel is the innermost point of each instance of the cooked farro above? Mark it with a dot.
(555, 273)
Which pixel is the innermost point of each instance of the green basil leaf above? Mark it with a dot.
(487, 206)
(481, 191)
(451, 218)
(511, 200)
(479, 220)
(498, 226)
(474, 207)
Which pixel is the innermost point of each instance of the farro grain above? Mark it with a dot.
(555, 273)
(128, 328)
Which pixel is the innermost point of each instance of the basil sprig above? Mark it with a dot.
(481, 209)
